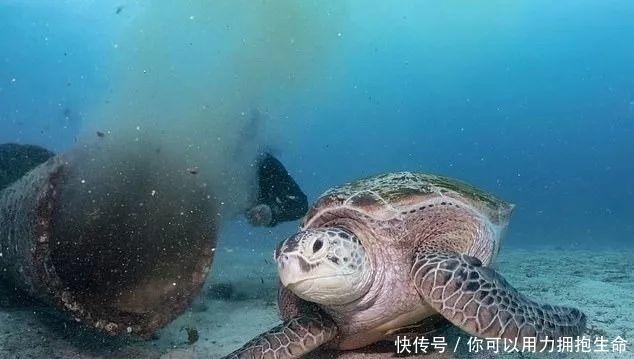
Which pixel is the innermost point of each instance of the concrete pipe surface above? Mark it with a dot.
(122, 245)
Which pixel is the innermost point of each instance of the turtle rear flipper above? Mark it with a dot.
(478, 300)
(289, 340)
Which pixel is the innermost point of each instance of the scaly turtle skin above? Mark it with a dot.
(400, 253)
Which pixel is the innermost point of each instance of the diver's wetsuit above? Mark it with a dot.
(278, 190)
(16, 160)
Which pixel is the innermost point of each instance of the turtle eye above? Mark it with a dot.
(317, 245)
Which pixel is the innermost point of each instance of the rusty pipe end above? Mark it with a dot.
(122, 246)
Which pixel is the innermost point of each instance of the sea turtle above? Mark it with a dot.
(400, 253)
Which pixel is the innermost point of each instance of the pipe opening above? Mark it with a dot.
(131, 245)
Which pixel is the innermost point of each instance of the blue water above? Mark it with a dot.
(533, 101)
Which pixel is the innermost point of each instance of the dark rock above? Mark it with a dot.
(192, 335)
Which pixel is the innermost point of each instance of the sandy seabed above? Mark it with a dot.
(238, 302)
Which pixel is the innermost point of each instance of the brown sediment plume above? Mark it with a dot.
(187, 77)
(121, 243)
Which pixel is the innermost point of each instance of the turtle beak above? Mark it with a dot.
(292, 266)
(282, 262)
(284, 258)
(289, 269)
(284, 269)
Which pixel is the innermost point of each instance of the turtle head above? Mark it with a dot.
(327, 266)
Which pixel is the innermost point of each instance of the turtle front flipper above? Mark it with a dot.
(479, 301)
(289, 340)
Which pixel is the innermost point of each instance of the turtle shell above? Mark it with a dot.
(387, 195)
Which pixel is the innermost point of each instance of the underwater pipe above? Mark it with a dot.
(123, 250)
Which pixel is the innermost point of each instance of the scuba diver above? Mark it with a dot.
(279, 197)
